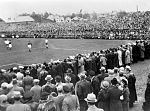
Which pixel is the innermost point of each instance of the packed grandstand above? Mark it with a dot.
(133, 25)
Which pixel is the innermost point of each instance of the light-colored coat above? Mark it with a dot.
(94, 108)
(127, 57)
(36, 91)
(18, 107)
(70, 103)
(120, 57)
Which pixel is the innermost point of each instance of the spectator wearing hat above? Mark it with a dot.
(59, 99)
(82, 89)
(22, 69)
(102, 74)
(125, 101)
(102, 98)
(131, 85)
(121, 76)
(14, 71)
(19, 79)
(128, 69)
(58, 81)
(16, 87)
(3, 89)
(116, 72)
(111, 75)
(18, 106)
(68, 83)
(103, 60)
(3, 102)
(91, 100)
(81, 63)
(27, 81)
(42, 75)
(33, 71)
(70, 102)
(36, 91)
(69, 72)
(7, 76)
(10, 95)
(114, 94)
(94, 82)
(52, 87)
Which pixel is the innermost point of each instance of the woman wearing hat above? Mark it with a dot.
(68, 82)
(3, 89)
(125, 101)
(3, 102)
(91, 100)
(102, 98)
(48, 83)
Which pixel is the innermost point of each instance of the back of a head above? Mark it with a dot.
(14, 82)
(3, 99)
(114, 81)
(58, 78)
(47, 89)
(91, 73)
(66, 89)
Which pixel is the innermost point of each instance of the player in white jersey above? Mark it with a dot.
(46, 43)
(29, 46)
(6, 43)
(17, 36)
(9, 45)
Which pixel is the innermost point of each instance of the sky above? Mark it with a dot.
(11, 8)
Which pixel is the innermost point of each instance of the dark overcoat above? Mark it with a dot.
(114, 99)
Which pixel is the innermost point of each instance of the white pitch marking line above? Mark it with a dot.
(53, 47)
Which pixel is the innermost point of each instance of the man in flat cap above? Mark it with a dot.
(82, 89)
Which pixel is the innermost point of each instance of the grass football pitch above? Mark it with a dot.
(58, 49)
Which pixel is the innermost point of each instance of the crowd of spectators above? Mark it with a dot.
(83, 82)
(133, 25)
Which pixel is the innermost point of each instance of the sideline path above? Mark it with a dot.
(141, 71)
